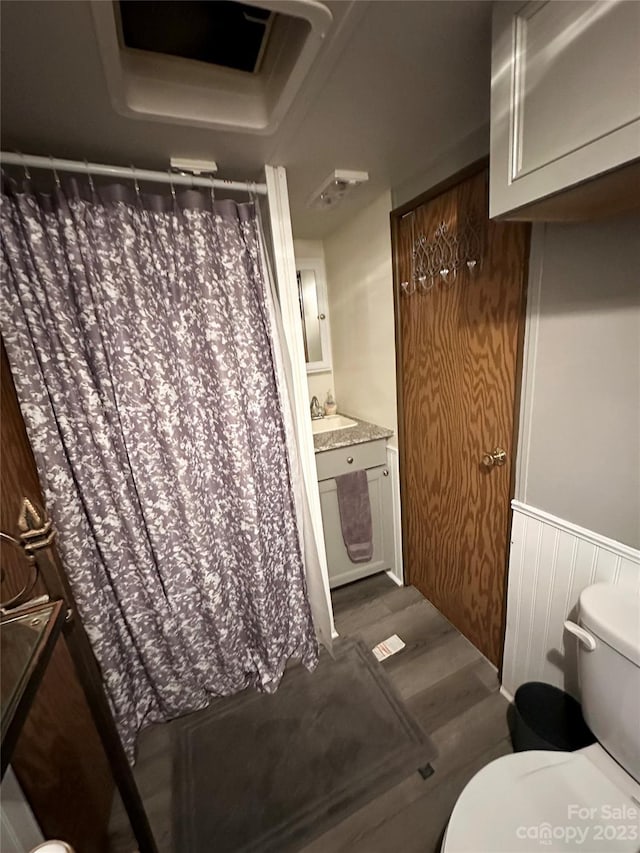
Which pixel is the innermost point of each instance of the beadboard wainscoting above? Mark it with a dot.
(393, 464)
(551, 562)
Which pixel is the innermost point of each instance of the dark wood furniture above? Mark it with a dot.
(69, 754)
(27, 639)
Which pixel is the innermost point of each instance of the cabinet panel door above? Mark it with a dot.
(341, 569)
(565, 97)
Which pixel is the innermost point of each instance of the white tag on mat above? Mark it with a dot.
(388, 647)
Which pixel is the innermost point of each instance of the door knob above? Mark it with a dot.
(497, 457)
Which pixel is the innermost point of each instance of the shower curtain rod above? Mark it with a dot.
(54, 164)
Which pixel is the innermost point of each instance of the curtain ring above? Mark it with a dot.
(27, 173)
(135, 180)
(55, 173)
(173, 189)
(89, 177)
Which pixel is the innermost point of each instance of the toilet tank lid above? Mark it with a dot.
(613, 614)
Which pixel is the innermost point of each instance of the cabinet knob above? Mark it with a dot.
(349, 460)
(385, 473)
(321, 317)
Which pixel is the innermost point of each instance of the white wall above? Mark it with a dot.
(577, 513)
(580, 456)
(319, 384)
(443, 164)
(360, 287)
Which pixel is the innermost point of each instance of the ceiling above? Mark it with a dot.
(396, 83)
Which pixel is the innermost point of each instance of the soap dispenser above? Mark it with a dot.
(330, 405)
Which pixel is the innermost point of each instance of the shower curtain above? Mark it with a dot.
(139, 333)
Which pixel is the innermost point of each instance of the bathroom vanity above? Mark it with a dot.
(340, 451)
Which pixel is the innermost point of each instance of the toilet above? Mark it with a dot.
(587, 800)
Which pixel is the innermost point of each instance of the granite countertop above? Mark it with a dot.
(359, 434)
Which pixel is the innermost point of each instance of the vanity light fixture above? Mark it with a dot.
(334, 188)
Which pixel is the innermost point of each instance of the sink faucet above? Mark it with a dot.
(317, 411)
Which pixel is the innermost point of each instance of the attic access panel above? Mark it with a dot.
(219, 32)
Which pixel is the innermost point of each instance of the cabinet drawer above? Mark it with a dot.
(332, 463)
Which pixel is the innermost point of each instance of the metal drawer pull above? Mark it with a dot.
(349, 460)
(385, 473)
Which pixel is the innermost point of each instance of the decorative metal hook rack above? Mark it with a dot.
(446, 254)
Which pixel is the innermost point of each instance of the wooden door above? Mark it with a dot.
(458, 369)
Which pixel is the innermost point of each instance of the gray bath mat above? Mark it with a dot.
(267, 773)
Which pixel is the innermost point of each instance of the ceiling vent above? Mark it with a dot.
(213, 63)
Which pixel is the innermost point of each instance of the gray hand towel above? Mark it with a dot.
(355, 515)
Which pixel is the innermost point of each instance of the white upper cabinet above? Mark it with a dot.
(565, 102)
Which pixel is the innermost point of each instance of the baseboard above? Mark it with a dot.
(504, 692)
(393, 464)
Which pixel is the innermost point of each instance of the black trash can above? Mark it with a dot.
(546, 717)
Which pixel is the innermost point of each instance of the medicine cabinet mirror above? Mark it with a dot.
(312, 295)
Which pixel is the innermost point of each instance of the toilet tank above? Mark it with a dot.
(610, 672)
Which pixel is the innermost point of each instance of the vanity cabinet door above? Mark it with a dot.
(565, 107)
(341, 569)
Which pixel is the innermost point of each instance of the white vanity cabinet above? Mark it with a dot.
(372, 457)
(565, 107)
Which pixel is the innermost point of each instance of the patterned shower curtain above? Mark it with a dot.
(143, 354)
